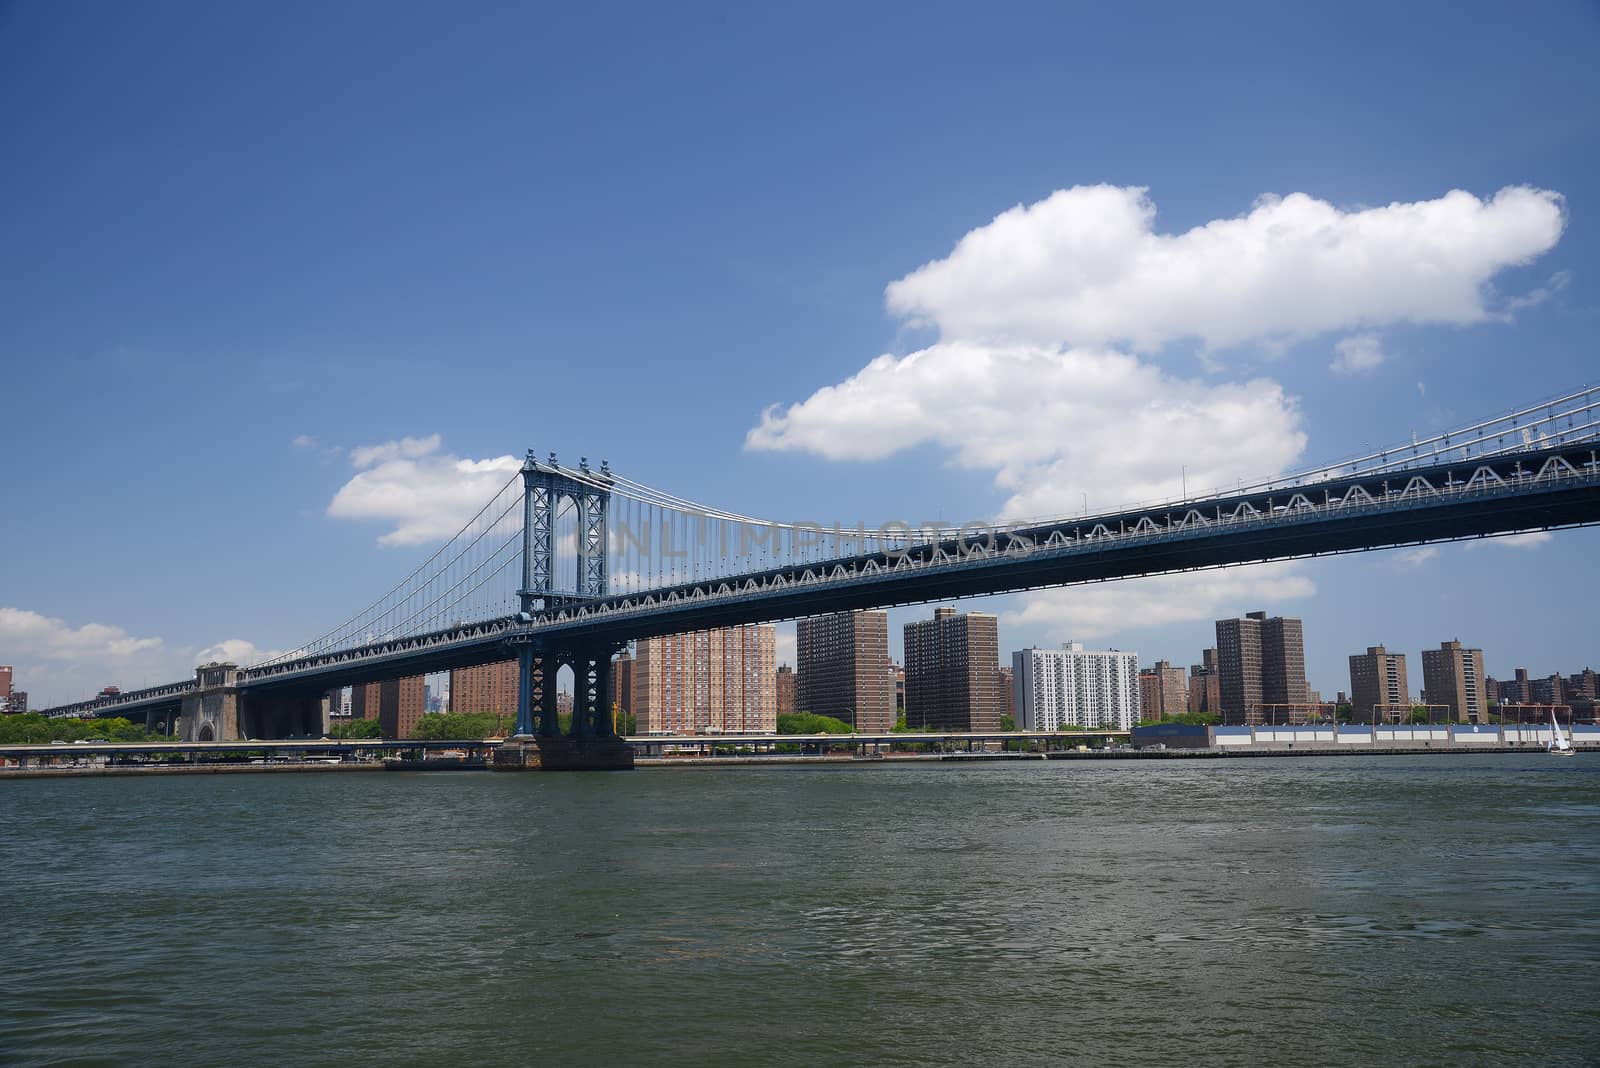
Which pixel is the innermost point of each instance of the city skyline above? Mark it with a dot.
(1319, 651)
(726, 679)
(801, 347)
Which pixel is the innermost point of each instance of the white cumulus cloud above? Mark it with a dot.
(1053, 425)
(1026, 379)
(1411, 559)
(42, 636)
(1085, 266)
(426, 495)
(1528, 539)
(403, 449)
(1363, 352)
(234, 651)
(1097, 609)
(58, 662)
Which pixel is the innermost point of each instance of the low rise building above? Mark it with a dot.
(788, 690)
(1205, 685)
(1163, 691)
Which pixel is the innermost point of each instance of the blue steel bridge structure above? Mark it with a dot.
(564, 566)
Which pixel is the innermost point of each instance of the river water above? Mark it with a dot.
(1428, 910)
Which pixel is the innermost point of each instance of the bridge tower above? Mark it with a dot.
(537, 740)
(544, 487)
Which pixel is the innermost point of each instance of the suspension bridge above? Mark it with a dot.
(565, 565)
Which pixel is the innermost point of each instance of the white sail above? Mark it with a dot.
(1561, 741)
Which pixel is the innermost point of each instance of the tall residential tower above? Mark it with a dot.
(842, 667)
(1454, 676)
(1262, 661)
(951, 681)
(1377, 681)
(1073, 687)
(711, 681)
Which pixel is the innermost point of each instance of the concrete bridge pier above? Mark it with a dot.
(537, 743)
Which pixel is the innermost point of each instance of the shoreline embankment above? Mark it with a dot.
(788, 760)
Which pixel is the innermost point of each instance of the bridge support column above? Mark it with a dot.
(591, 745)
(583, 695)
(603, 725)
(548, 712)
(525, 694)
(537, 715)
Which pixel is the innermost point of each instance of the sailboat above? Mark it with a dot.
(1559, 743)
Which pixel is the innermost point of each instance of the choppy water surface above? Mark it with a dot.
(1288, 911)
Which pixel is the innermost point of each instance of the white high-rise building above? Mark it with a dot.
(1074, 687)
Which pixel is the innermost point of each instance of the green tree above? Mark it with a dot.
(902, 727)
(29, 728)
(32, 728)
(808, 723)
(1008, 723)
(1193, 719)
(443, 726)
(356, 728)
(119, 729)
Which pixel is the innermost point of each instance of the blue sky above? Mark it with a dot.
(226, 228)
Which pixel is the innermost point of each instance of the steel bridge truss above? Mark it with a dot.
(1556, 487)
(1490, 484)
(545, 487)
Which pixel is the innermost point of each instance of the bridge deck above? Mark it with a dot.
(1531, 488)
